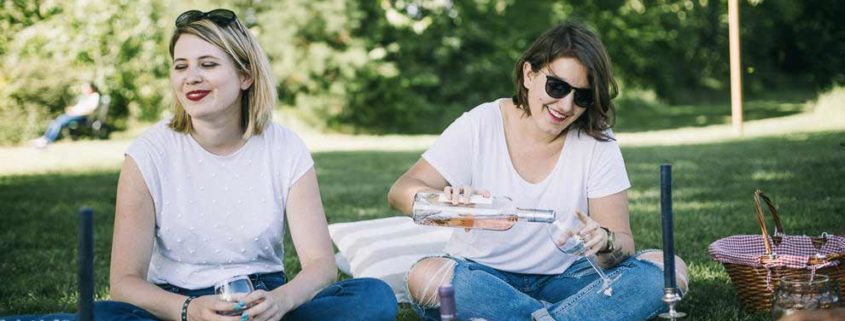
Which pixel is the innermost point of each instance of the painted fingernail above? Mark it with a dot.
(239, 305)
(245, 316)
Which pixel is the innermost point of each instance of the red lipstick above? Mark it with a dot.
(197, 95)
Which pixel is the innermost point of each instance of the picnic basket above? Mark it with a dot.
(755, 263)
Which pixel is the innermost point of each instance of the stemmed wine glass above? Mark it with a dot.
(234, 289)
(574, 245)
(818, 244)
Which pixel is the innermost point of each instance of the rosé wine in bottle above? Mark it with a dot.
(494, 213)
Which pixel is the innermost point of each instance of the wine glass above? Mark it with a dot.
(234, 289)
(818, 244)
(574, 245)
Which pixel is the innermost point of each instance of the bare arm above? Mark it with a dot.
(611, 212)
(132, 244)
(422, 177)
(310, 235)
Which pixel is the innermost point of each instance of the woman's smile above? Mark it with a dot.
(197, 95)
(555, 116)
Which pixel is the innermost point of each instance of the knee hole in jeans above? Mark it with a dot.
(681, 273)
(426, 276)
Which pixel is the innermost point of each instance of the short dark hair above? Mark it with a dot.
(574, 40)
(93, 87)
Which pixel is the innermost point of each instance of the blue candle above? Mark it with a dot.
(668, 237)
(86, 265)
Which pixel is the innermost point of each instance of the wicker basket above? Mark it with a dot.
(755, 266)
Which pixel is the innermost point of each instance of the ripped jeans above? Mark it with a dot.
(484, 293)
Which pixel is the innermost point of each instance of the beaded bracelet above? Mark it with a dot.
(185, 308)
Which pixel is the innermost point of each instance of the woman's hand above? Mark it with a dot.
(210, 307)
(595, 237)
(266, 306)
(461, 195)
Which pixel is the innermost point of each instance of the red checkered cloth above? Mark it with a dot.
(793, 252)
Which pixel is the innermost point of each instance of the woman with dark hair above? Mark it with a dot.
(549, 146)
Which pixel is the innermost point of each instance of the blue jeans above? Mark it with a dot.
(353, 299)
(483, 292)
(55, 127)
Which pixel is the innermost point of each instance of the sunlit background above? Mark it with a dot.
(370, 83)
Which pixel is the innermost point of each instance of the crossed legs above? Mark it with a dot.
(430, 273)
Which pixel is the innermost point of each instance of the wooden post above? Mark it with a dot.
(736, 72)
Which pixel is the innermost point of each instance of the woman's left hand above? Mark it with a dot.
(595, 238)
(266, 306)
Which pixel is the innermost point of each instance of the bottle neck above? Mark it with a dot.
(535, 215)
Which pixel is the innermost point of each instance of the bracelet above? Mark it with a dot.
(185, 308)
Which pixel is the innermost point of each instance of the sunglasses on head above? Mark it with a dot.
(221, 17)
(558, 88)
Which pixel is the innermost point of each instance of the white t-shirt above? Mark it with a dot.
(473, 151)
(86, 104)
(217, 216)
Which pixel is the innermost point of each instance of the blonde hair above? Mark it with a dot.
(240, 45)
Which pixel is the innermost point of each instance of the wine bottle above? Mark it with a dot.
(494, 213)
(448, 310)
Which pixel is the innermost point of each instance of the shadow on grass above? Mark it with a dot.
(38, 242)
(644, 114)
(712, 194)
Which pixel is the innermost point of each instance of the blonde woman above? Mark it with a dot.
(204, 196)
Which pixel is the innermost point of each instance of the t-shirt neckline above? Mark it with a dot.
(231, 155)
(503, 140)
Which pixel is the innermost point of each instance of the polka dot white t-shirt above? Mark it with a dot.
(217, 216)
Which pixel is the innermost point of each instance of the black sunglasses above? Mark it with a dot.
(558, 88)
(221, 17)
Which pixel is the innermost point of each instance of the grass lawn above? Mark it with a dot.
(647, 113)
(713, 186)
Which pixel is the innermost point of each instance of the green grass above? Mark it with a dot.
(713, 186)
(642, 112)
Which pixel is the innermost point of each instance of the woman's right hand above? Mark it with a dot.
(461, 195)
(210, 307)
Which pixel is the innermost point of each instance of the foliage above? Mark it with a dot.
(712, 189)
(405, 66)
(428, 61)
(58, 45)
(793, 43)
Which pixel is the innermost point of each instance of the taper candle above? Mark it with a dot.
(668, 235)
(85, 310)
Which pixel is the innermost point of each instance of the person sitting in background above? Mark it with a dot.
(549, 147)
(205, 196)
(85, 105)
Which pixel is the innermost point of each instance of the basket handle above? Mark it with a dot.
(758, 194)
